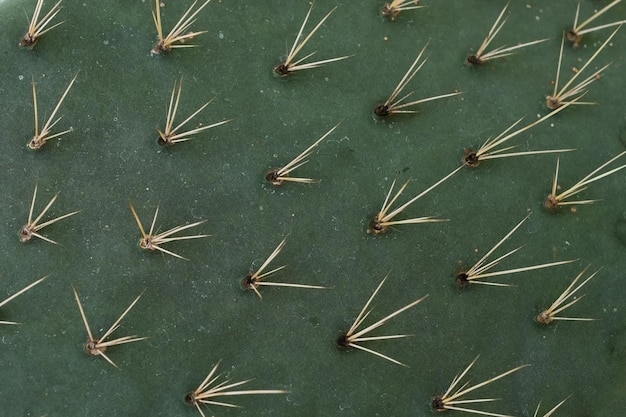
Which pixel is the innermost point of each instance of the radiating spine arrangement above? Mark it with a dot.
(490, 150)
(39, 26)
(98, 346)
(452, 400)
(575, 35)
(44, 135)
(556, 199)
(257, 279)
(278, 176)
(180, 33)
(216, 387)
(152, 241)
(206, 394)
(480, 56)
(32, 227)
(571, 94)
(17, 294)
(354, 337)
(383, 220)
(395, 105)
(172, 135)
(290, 64)
(477, 273)
(561, 304)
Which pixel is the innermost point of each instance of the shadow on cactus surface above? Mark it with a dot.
(195, 313)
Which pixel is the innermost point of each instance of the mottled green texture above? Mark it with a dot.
(195, 313)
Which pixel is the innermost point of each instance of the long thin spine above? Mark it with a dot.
(482, 384)
(270, 258)
(304, 154)
(395, 107)
(185, 21)
(47, 126)
(506, 51)
(501, 140)
(408, 203)
(40, 27)
(589, 178)
(408, 76)
(549, 413)
(82, 314)
(23, 290)
(156, 213)
(293, 51)
(492, 32)
(35, 107)
(301, 45)
(56, 219)
(156, 16)
(373, 352)
(173, 107)
(132, 208)
(387, 318)
(117, 322)
(596, 28)
(524, 269)
(359, 318)
(593, 16)
(589, 61)
(164, 237)
(387, 204)
(558, 67)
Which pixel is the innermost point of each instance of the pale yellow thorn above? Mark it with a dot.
(207, 392)
(17, 294)
(353, 337)
(480, 269)
(38, 27)
(41, 137)
(32, 227)
(180, 33)
(291, 65)
(480, 57)
(152, 241)
(394, 8)
(279, 175)
(98, 347)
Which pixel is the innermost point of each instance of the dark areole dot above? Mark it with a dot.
(474, 60)
(462, 279)
(248, 281)
(282, 70)
(162, 142)
(382, 110)
(471, 158)
(552, 204)
(438, 404)
(342, 341)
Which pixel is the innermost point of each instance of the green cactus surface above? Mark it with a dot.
(195, 313)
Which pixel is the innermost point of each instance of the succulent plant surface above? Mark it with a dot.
(194, 312)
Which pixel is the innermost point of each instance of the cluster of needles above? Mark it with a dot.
(358, 336)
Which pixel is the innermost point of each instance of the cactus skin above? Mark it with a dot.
(194, 313)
